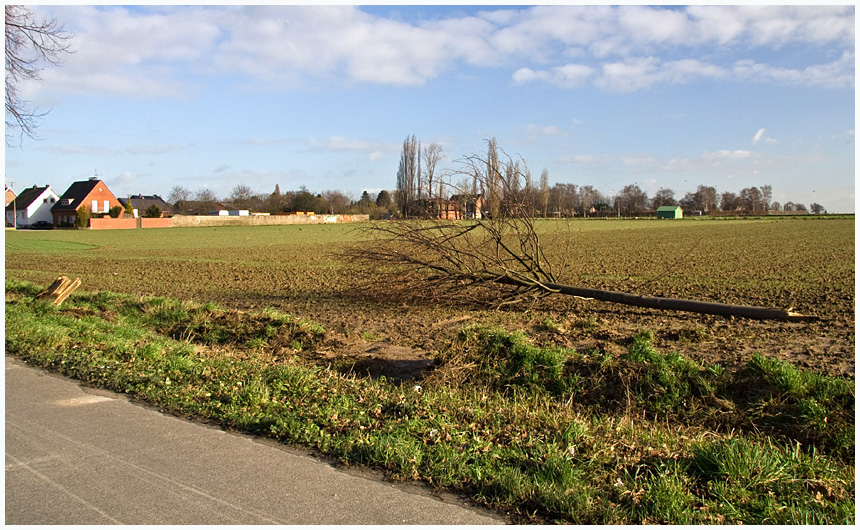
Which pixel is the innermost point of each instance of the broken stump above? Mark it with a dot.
(59, 290)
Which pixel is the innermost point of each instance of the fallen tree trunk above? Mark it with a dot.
(499, 243)
(673, 304)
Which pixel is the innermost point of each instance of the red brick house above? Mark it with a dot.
(92, 193)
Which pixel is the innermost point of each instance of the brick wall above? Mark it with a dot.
(108, 223)
(112, 224)
(155, 222)
(261, 220)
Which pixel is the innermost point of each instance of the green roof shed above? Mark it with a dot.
(670, 212)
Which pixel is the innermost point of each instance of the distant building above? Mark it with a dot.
(670, 212)
(140, 203)
(92, 193)
(31, 207)
(198, 207)
(10, 196)
(465, 207)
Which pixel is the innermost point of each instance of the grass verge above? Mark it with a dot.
(545, 434)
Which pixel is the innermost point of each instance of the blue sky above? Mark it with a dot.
(323, 97)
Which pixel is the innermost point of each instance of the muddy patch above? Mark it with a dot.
(397, 364)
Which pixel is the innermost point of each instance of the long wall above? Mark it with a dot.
(124, 223)
(261, 220)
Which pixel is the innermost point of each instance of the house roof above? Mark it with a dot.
(668, 208)
(466, 197)
(75, 195)
(142, 202)
(201, 207)
(26, 198)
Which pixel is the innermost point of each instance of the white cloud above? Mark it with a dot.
(725, 154)
(130, 54)
(586, 159)
(836, 74)
(630, 75)
(165, 51)
(760, 136)
(567, 76)
(536, 132)
(343, 144)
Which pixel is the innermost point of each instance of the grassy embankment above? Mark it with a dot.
(547, 434)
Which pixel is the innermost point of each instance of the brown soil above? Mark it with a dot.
(383, 325)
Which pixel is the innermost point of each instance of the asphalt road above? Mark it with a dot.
(76, 455)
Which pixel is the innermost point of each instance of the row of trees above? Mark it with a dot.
(419, 192)
(502, 183)
(242, 197)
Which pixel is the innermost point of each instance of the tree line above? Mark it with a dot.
(496, 181)
(493, 178)
(243, 197)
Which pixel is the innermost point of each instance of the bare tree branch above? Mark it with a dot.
(30, 44)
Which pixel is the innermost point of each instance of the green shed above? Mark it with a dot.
(670, 212)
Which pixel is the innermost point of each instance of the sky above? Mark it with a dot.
(216, 96)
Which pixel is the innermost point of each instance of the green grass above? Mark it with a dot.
(178, 238)
(546, 434)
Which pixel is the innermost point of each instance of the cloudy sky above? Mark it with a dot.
(323, 97)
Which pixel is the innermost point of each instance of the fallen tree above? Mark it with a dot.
(499, 244)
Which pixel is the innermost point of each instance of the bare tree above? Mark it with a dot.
(729, 201)
(543, 193)
(336, 202)
(432, 156)
(206, 199)
(241, 197)
(632, 200)
(750, 199)
(409, 177)
(766, 195)
(663, 197)
(504, 246)
(178, 194)
(564, 199)
(706, 198)
(30, 44)
(588, 198)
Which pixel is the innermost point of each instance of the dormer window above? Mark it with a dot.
(67, 202)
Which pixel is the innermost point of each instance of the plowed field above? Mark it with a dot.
(804, 263)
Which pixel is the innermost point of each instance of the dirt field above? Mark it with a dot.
(386, 327)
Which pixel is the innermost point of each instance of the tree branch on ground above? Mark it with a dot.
(502, 245)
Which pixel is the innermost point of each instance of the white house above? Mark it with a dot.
(31, 206)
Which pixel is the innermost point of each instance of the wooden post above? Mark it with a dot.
(59, 290)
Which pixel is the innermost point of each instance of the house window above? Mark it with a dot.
(107, 206)
(95, 206)
(53, 200)
(44, 200)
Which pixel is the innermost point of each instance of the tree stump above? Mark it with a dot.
(59, 290)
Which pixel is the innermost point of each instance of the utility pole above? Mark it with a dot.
(14, 206)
